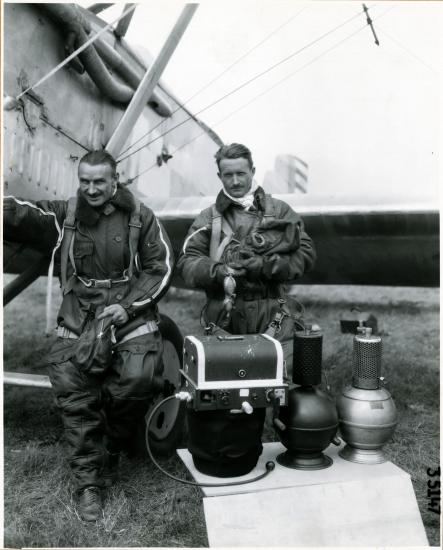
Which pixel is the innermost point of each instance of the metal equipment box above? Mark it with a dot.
(226, 371)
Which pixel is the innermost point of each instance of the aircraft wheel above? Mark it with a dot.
(166, 429)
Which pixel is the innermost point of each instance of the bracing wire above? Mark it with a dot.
(255, 98)
(247, 82)
(261, 94)
(213, 80)
(411, 53)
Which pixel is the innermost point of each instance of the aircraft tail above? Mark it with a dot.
(290, 175)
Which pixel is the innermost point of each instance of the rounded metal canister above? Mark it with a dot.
(367, 420)
(307, 358)
(366, 411)
(311, 422)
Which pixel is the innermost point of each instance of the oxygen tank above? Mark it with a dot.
(309, 423)
(366, 410)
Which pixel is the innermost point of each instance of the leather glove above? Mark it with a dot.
(276, 267)
(251, 263)
(254, 267)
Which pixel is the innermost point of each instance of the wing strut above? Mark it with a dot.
(149, 82)
(97, 8)
(23, 280)
(123, 24)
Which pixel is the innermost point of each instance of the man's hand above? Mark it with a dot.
(117, 312)
(235, 269)
(250, 263)
(254, 267)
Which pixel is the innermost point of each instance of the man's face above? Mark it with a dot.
(236, 176)
(97, 183)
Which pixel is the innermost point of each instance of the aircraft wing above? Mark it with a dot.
(361, 244)
(357, 242)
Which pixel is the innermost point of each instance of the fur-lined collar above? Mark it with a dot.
(223, 202)
(88, 215)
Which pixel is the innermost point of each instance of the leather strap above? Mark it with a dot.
(135, 226)
(67, 242)
(67, 246)
(219, 225)
(147, 328)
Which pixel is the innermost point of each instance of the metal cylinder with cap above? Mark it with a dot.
(309, 423)
(307, 357)
(367, 352)
(367, 413)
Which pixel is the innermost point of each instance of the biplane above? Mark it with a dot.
(96, 90)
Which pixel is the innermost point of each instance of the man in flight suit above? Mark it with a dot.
(261, 242)
(109, 283)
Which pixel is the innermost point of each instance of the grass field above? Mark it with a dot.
(147, 509)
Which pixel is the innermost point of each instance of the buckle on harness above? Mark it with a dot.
(276, 323)
(102, 283)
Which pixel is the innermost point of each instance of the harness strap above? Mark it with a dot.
(219, 225)
(215, 232)
(269, 212)
(67, 246)
(71, 253)
(135, 226)
(68, 241)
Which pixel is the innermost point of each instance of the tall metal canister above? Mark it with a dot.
(366, 410)
(309, 423)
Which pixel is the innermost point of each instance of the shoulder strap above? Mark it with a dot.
(269, 207)
(215, 232)
(67, 241)
(134, 236)
(219, 224)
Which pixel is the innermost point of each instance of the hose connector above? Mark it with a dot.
(183, 396)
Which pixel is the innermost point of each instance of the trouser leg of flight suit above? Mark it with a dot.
(130, 385)
(78, 397)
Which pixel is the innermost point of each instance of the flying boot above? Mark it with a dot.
(89, 503)
(110, 470)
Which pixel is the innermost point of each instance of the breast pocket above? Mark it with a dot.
(83, 254)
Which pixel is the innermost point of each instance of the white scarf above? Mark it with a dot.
(247, 200)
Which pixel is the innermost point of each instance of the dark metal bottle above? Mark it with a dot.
(309, 423)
